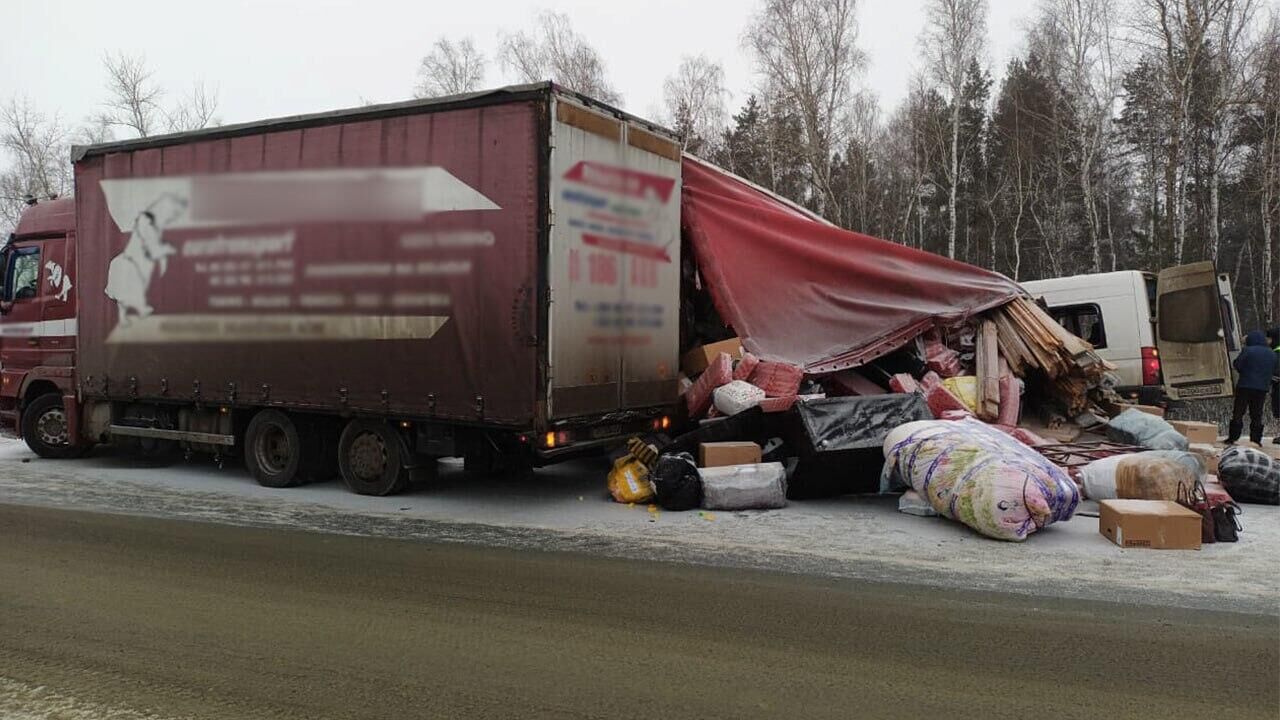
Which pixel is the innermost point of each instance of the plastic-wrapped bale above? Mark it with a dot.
(940, 358)
(1134, 427)
(676, 483)
(745, 366)
(777, 379)
(1010, 400)
(979, 476)
(965, 389)
(1151, 475)
(719, 372)
(737, 396)
(903, 383)
(1251, 476)
(938, 397)
(1147, 475)
(761, 486)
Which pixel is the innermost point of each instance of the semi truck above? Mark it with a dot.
(493, 275)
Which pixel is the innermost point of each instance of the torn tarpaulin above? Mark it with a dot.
(811, 294)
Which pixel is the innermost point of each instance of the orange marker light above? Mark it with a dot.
(551, 440)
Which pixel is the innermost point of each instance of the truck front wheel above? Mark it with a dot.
(273, 450)
(371, 458)
(46, 430)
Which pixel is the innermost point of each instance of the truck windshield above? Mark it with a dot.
(22, 274)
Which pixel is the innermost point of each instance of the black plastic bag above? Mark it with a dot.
(676, 484)
(839, 441)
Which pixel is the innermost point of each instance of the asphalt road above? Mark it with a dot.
(168, 618)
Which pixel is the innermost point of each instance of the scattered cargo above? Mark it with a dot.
(1154, 524)
(974, 474)
(717, 454)
(760, 486)
(1196, 432)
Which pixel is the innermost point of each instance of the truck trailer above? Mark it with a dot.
(493, 275)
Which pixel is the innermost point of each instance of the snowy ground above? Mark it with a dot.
(565, 508)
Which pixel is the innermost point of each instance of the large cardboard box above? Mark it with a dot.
(1155, 524)
(1196, 432)
(697, 359)
(721, 454)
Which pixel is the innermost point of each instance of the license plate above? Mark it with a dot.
(1195, 391)
(603, 431)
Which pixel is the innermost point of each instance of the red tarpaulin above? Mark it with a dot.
(805, 292)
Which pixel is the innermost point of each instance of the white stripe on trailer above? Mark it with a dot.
(43, 328)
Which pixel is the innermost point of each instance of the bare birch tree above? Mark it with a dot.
(807, 50)
(134, 100)
(1267, 61)
(1178, 31)
(450, 68)
(36, 149)
(1233, 44)
(694, 98)
(954, 35)
(1085, 69)
(554, 51)
(195, 111)
(133, 97)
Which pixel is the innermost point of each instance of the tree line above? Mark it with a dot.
(1123, 134)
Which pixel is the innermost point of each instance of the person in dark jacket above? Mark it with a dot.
(1256, 364)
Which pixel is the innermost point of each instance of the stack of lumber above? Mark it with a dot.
(1036, 346)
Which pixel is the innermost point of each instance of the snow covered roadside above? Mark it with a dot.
(565, 509)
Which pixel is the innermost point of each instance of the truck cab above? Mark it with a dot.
(38, 326)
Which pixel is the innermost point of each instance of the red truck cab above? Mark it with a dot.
(38, 328)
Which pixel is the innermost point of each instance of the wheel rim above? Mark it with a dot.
(272, 450)
(51, 428)
(368, 457)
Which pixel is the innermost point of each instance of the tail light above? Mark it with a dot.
(1151, 374)
(557, 439)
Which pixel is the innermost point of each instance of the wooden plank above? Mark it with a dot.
(988, 371)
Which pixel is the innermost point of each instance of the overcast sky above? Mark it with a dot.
(281, 57)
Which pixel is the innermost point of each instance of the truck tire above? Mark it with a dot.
(273, 450)
(44, 427)
(371, 458)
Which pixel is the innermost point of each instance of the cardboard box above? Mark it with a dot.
(697, 359)
(720, 454)
(1148, 409)
(1155, 524)
(1196, 432)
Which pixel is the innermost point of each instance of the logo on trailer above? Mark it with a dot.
(252, 278)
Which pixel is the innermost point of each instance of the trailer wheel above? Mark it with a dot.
(273, 450)
(370, 458)
(44, 427)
